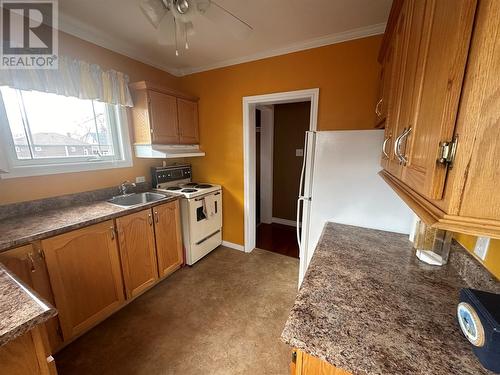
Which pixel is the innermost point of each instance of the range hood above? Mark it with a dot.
(167, 152)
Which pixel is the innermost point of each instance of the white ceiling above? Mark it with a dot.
(279, 26)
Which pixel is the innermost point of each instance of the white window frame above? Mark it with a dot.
(14, 168)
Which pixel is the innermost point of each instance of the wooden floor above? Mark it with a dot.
(278, 238)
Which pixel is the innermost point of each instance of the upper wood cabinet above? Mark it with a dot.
(137, 250)
(442, 127)
(28, 265)
(162, 116)
(168, 237)
(187, 111)
(84, 270)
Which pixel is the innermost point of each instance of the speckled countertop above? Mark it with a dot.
(20, 309)
(23, 229)
(369, 306)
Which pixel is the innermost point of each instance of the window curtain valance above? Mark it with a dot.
(73, 78)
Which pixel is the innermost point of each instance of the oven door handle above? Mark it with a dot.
(200, 199)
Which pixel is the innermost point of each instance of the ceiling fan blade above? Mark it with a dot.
(166, 31)
(154, 10)
(221, 16)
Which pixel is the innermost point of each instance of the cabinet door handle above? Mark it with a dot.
(384, 146)
(157, 217)
(377, 107)
(32, 262)
(150, 219)
(402, 158)
(112, 229)
(396, 145)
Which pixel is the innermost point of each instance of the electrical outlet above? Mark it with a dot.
(481, 248)
(299, 152)
(140, 179)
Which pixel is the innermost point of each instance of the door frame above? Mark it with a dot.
(249, 150)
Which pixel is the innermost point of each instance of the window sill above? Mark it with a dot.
(43, 170)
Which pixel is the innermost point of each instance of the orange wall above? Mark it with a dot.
(492, 260)
(28, 188)
(346, 74)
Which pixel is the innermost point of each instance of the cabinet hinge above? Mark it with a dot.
(294, 356)
(447, 152)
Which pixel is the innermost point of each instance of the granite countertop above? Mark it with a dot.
(369, 306)
(20, 309)
(23, 229)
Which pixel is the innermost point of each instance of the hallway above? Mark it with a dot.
(278, 238)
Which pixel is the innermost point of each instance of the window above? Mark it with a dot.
(48, 133)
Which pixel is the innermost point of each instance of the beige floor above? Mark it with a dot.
(224, 315)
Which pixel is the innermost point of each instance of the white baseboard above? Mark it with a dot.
(232, 245)
(291, 223)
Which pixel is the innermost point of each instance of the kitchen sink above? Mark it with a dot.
(136, 198)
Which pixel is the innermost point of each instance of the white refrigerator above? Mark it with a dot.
(339, 183)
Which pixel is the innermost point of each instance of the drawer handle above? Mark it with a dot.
(207, 237)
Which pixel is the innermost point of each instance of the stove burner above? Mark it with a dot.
(191, 184)
(203, 186)
(174, 188)
(189, 190)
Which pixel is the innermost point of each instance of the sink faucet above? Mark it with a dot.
(124, 186)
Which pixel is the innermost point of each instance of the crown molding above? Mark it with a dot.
(71, 25)
(343, 36)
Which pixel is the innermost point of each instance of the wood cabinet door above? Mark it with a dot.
(137, 250)
(441, 34)
(168, 237)
(306, 364)
(28, 265)
(163, 118)
(84, 270)
(396, 69)
(188, 121)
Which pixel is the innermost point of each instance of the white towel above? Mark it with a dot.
(209, 205)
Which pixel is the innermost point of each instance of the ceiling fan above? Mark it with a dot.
(175, 19)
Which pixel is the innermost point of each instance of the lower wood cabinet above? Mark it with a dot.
(137, 250)
(84, 270)
(28, 354)
(27, 263)
(305, 364)
(88, 274)
(168, 237)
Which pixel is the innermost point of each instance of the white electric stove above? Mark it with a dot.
(201, 209)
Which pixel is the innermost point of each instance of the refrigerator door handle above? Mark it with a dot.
(301, 188)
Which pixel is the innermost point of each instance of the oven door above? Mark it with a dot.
(202, 227)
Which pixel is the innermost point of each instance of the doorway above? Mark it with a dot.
(280, 130)
(250, 106)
